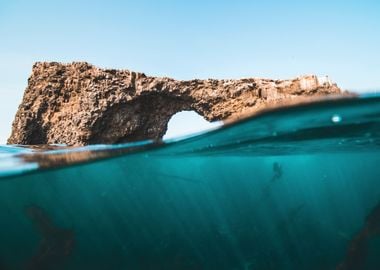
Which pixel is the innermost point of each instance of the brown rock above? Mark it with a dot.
(79, 104)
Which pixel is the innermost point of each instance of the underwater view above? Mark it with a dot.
(290, 188)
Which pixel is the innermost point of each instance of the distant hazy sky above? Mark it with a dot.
(188, 39)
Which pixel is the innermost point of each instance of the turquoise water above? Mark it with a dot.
(296, 188)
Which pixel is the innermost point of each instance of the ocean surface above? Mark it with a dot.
(293, 188)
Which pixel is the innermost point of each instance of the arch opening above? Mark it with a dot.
(187, 122)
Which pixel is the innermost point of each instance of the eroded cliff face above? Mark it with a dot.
(79, 104)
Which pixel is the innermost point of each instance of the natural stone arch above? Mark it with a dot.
(79, 104)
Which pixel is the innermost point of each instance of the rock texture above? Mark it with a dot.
(79, 104)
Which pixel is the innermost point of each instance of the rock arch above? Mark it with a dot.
(79, 104)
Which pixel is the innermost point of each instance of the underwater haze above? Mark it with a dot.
(292, 188)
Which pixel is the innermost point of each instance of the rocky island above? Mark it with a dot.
(80, 104)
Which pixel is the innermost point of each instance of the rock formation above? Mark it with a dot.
(79, 104)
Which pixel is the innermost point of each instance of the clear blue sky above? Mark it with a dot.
(187, 39)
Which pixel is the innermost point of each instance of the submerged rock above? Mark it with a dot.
(56, 244)
(80, 104)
